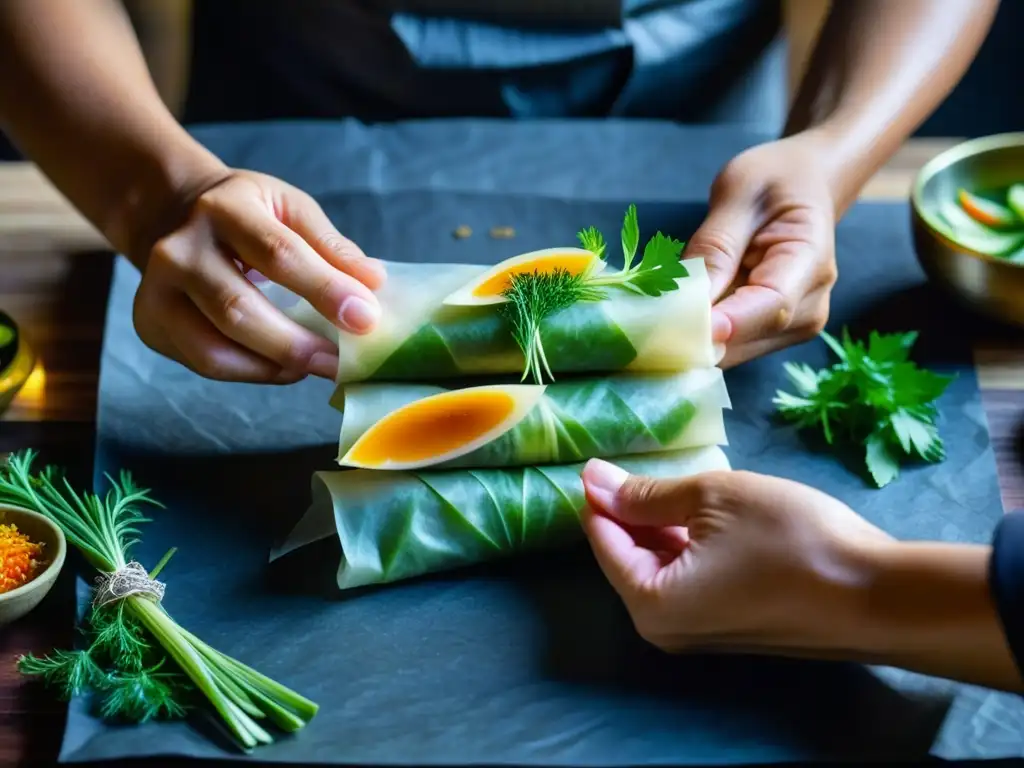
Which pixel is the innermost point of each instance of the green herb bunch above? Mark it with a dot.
(534, 296)
(137, 661)
(874, 398)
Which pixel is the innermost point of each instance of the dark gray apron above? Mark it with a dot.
(693, 61)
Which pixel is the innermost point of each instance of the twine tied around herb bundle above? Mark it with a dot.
(131, 579)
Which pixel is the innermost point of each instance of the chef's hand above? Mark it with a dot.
(768, 242)
(735, 561)
(197, 303)
(727, 560)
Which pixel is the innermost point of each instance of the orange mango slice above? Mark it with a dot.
(489, 286)
(442, 427)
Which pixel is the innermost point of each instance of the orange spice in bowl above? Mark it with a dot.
(21, 559)
(32, 553)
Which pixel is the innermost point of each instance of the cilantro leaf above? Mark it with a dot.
(660, 266)
(873, 397)
(795, 405)
(914, 435)
(839, 349)
(914, 386)
(891, 348)
(803, 376)
(630, 237)
(592, 240)
(658, 270)
(883, 466)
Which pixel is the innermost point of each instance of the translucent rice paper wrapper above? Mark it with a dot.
(573, 421)
(399, 525)
(419, 338)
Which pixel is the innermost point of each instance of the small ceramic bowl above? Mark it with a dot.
(990, 285)
(18, 602)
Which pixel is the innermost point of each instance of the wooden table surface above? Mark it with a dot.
(54, 274)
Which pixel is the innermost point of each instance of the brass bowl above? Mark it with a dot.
(19, 601)
(988, 284)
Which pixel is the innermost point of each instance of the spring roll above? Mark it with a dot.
(420, 337)
(399, 525)
(418, 426)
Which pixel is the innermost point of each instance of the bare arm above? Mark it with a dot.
(921, 606)
(928, 607)
(878, 70)
(77, 97)
(78, 100)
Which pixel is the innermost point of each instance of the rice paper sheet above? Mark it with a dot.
(419, 338)
(399, 525)
(574, 420)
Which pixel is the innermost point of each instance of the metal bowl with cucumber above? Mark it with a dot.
(967, 215)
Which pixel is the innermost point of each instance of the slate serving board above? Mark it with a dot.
(532, 661)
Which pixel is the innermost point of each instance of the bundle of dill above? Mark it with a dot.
(138, 663)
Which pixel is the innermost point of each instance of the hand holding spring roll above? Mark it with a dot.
(727, 560)
(196, 305)
(769, 244)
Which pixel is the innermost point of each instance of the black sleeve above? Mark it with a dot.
(1007, 580)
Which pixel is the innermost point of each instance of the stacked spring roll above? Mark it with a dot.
(557, 359)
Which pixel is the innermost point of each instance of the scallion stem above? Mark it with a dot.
(161, 626)
(298, 703)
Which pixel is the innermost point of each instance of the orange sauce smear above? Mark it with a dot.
(573, 263)
(432, 427)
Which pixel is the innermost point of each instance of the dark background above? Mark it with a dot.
(985, 101)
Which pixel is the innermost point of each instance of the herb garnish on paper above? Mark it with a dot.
(874, 398)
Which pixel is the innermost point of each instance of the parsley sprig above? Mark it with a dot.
(534, 296)
(874, 398)
(658, 269)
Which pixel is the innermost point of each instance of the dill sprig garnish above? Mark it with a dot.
(534, 296)
(531, 297)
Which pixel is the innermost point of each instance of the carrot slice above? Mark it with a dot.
(987, 212)
(969, 233)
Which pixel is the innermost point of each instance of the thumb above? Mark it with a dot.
(636, 500)
(625, 563)
(722, 240)
(620, 505)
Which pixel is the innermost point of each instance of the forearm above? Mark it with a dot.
(928, 607)
(78, 100)
(878, 70)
